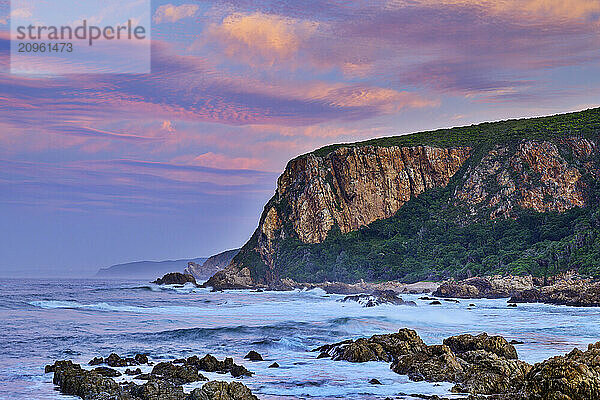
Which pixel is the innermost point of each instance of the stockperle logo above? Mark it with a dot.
(61, 37)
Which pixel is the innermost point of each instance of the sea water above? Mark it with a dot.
(47, 320)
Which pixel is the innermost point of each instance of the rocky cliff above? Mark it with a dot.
(366, 199)
(212, 265)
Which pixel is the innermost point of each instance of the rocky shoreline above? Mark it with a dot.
(566, 289)
(480, 367)
(164, 381)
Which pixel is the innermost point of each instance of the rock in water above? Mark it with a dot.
(274, 365)
(376, 348)
(222, 391)
(164, 383)
(176, 278)
(178, 374)
(377, 298)
(108, 372)
(253, 356)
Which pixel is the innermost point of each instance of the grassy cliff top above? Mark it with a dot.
(583, 123)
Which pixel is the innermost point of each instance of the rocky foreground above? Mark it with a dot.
(163, 382)
(480, 366)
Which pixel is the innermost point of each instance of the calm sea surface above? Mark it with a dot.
(45, 320)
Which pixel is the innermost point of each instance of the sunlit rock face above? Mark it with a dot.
(354, 186)
(535, 175)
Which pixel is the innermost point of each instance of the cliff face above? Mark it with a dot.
(536, 175)
(353, 186)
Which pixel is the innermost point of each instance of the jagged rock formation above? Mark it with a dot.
(482, 174)
(214, 264)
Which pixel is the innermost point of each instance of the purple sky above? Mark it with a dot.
(102, 169)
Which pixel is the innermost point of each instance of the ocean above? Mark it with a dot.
(47, 320)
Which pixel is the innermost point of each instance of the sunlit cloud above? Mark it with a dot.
(255, 36)
(172, 13)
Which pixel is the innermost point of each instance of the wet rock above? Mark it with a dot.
(451, 300)
(136, 371)
(427, 298)
(176, 278)
(376, 348)
(253, 356)
(471, 305)
(494, 344)
(96, 361)
(177, 374)
(575, 376)
(239, 371)
(114, 360)
(487, 373)
(377, 298)
(209, 363)
(108, 372)
(432, 363)
(156, 390)
(435, 303)
(222, 391)
(274, 365)
(141, 358)
(516, 342)
(374, 382)
(73, 380)
(512, 305)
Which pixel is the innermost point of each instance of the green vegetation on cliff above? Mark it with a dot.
(583, 123)
(433, 237)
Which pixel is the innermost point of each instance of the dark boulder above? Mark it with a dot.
(141, 358)
(136, 371)
(96, 361)
(177, 374)
(176, 278)
(222, 391)
(114, 360)
(253, 356)
(108, 372)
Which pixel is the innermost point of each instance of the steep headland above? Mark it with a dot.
(518, 196)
